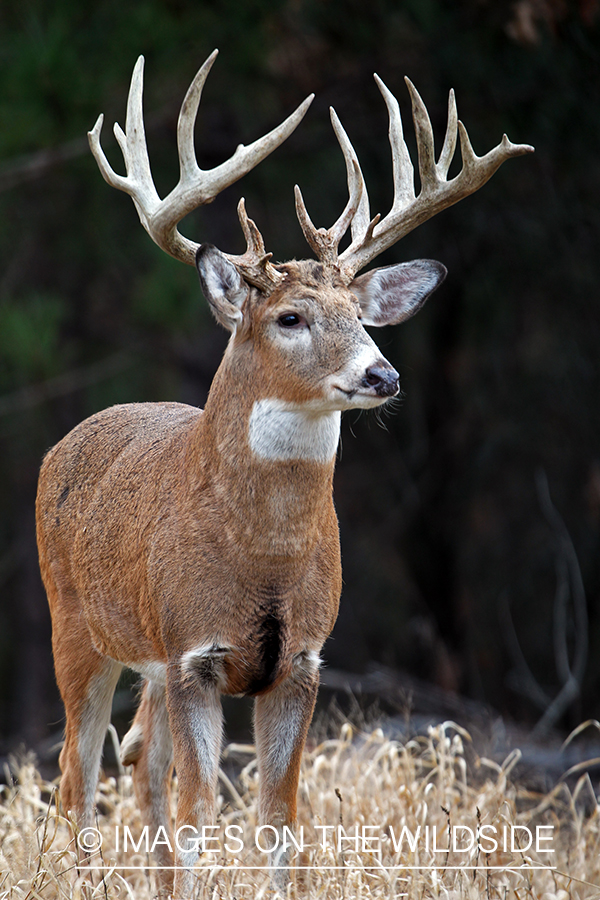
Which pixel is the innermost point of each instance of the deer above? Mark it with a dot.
(201, 548)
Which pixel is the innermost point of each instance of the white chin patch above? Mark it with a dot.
(363, 401)
(283, 431)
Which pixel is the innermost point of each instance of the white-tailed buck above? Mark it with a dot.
(201, 549)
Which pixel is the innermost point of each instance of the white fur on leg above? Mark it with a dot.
(92, 731)
(286, 717)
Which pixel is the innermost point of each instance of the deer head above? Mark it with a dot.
(287, 308)
(235, 284)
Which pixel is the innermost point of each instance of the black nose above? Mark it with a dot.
(384, 379)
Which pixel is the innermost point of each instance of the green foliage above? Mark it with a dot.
(30, 339)
(165, 297)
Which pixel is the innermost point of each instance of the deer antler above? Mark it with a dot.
(196, 186)
(370, 237)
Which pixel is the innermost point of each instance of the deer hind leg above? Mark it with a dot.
(148, 747)
(86, 681)
(196, 719)
(281, 721)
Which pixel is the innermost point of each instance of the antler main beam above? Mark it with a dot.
(370, 237)
(196, 186)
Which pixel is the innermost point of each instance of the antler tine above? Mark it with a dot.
(188, 165)
(196, 186)
(355, 195)
(312, 234)
(447, 154)
(255, 264)
(106, 170)
(138, 181)
(325, 242)
(403, 172)
(362, 217)
(437, 193)
(254, 239)
(133, 141)
(201, 186)
(424, 134)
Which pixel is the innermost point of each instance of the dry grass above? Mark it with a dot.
(355, 780)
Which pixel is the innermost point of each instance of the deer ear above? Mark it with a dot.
(222, 285)
(392, 294)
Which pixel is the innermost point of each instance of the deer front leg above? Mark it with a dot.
(196, 721)
(148, 747)
(281, 721)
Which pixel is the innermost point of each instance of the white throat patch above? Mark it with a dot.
(283, 431)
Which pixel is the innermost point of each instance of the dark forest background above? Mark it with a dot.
(470, 522)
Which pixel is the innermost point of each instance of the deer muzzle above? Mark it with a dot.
(383, 378)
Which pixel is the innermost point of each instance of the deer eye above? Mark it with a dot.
(291, 320)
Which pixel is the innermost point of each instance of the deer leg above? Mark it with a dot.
(196, 720)
(281, 721)
(148, 747)
(86, 681)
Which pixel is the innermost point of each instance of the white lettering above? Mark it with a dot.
(485, 837)
(287, 833)
(541, 837)
(228, 834)
(144, 839)
(190, 843)
(258, 834)
(324, 829)
(411, 838)
(458, 829)
(161, 837)
(513, 830)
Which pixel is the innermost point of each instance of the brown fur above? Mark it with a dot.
(159, 532)
(189, 546)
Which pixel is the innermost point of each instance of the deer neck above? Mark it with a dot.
(268, 463)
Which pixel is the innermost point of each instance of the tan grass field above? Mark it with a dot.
(370, 786)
